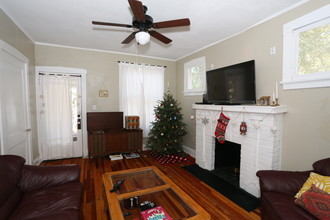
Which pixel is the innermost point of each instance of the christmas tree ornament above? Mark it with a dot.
(220, 130)
(168, 127)
(243, 128)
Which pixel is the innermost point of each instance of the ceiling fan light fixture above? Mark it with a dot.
(142, 37)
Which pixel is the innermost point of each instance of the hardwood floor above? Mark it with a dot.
(94, 204)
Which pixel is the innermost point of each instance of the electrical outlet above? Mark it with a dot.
(94, 107)
(273, 50)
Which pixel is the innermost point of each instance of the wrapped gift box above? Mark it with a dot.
(132, 122)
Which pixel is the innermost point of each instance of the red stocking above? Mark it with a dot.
(221, 128)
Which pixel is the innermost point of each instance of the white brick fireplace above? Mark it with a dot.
(260, 147)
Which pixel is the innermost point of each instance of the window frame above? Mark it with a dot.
(291, 30)
(187, 66)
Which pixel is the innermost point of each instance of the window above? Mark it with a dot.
(306, 51)
(140, 87)
(194, 77)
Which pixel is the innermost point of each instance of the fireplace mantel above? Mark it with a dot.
(260, 148)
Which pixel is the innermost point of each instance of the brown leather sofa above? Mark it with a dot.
(278, 189)
(35, 192)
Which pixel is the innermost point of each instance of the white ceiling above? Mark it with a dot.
(68, 22)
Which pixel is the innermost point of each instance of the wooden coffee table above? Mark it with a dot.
(149, 184)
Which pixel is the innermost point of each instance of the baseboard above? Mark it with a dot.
(144, 147)
(186, 149)
(190, 151)
(37, 161)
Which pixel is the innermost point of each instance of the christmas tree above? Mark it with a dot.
(168, 129)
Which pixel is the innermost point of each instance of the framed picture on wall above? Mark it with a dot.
(103, 93)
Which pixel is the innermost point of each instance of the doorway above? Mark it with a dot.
(61, 109)
(15, 127)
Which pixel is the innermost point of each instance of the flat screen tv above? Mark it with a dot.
(232, 85)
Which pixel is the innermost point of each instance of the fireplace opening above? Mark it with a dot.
(227, 161)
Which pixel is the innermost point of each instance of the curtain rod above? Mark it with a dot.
(57, 74)
(143, 63)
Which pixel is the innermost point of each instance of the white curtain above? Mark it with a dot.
(141, 86)
(56, 116)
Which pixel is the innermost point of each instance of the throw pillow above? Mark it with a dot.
(321, 182)
(316, 202)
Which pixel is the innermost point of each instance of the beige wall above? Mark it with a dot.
(102, 71)
(306, 136)
(13, 36)
(306, 125)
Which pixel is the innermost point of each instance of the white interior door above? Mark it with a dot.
(15, 131)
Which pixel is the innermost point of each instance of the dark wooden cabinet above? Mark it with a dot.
(106, 134)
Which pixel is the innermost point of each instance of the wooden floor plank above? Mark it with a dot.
(94, 204)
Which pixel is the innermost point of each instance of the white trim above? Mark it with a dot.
(260, 22)
(306, 84)
(291, 80)
(73, 71)
(187, 66)
(11, 50)
(37, 161)
(189, 151)
(102, 51)
(18, 55)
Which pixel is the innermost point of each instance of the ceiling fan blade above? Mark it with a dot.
(111, 24)
(129, 38)
(137, 9)
(160, 37)
(172, 23)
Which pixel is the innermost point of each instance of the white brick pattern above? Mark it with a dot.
(260, 147)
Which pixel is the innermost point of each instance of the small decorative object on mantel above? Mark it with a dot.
(263, 101)
(103, 93)
(275, 96)
(243, 128)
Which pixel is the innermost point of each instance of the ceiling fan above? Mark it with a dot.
(143, 23)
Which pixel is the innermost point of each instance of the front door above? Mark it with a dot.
(15, 131)
(60, 93)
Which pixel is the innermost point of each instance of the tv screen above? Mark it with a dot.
(233, 84)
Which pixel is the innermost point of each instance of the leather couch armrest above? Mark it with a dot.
(37, 177)
(286, 182)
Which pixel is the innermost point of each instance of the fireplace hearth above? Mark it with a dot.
(261, 147)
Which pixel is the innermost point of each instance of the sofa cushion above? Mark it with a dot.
(316, 202)
(37, 177)
(54, 203)
(10, 173)
(321, 182)
(282, 207)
